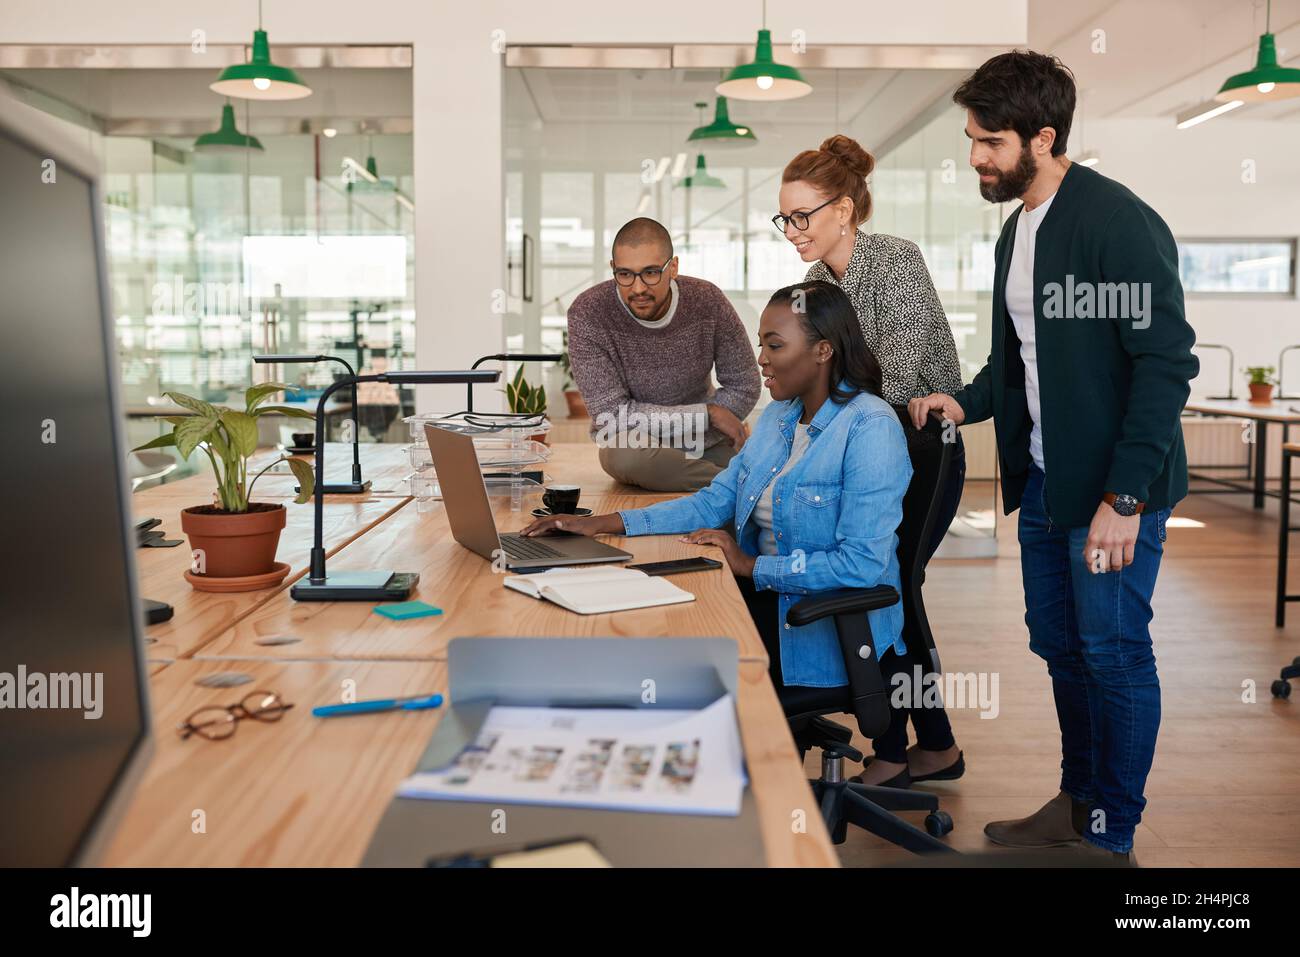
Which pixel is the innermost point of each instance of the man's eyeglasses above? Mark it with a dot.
(218, 723)
(651, 275)
(798, 218)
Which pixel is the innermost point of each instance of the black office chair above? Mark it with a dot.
(866, 697)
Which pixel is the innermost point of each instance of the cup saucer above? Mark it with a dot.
(543, 512)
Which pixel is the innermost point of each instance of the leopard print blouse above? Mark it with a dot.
(902, 319)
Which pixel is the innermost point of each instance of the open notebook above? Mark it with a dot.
(597, 591)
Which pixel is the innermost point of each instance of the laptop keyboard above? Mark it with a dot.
(518, 547)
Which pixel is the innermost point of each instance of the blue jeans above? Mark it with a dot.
(1091, 629)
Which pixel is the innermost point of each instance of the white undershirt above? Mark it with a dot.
(656, 323)
(763, 507)
(1019, 297)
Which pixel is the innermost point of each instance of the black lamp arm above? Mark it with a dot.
(1281, 389)
(295, 358)
(504, 357)
(318, 531)
(1232, 361)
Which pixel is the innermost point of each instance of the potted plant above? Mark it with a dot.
(1261, 383)
(526, 399)
(234, 539)
(577, 407)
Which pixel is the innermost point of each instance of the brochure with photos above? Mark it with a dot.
(685, 762)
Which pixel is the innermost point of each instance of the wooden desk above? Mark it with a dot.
(199, 616)
(309, 792)
(1284, 412)
(475, 602)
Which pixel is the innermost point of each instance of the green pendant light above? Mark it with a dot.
(259, 78)
(721, 132)
(1267, 81)
(763, 78)
(369, 181)
(369, 178)
(702, 177)
(227, 139)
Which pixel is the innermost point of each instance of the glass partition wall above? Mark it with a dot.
(588, 149)
(304, 245)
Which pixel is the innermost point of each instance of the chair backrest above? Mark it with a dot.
(931, 457)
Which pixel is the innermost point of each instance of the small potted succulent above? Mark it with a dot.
(526, 399)
(233, 539)
(1261, 382)
(577, 407)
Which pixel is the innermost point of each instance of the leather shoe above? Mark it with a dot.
(1057, 823)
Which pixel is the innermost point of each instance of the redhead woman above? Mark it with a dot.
(824, 201)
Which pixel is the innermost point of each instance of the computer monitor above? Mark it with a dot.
(74, 717)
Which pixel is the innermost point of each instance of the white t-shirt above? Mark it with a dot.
(1020, 306)
(763, 507)
(667, 316)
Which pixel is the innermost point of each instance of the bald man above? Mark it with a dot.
(644, 347)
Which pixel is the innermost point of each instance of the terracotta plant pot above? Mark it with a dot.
(233, 545)
(1261, 393)
(577, 407)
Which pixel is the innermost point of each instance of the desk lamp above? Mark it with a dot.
(1281, 389)
(383, 585)
(356, 486)
(1232, 361)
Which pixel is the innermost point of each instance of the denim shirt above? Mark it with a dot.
(834, 516)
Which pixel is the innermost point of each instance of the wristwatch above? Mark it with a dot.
(1125, 505)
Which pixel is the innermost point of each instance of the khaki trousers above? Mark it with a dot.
(665, 469)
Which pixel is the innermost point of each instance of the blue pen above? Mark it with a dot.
(413, 703)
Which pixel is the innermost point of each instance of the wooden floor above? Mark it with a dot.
(1225, 788)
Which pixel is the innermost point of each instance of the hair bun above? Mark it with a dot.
(847, 150)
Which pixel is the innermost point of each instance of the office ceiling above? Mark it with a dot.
(183, 94)
(1162, 56)
(878, 100)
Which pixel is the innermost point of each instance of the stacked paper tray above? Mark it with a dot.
(503, 444)
(493, 454)
(425, 490)
(481, 425)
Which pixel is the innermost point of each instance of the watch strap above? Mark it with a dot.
(1109, 499)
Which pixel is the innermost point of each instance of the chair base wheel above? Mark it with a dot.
(938, 823)
(1281, 688)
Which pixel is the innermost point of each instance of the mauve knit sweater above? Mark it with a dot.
(617, 362)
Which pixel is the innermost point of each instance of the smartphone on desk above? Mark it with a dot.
(678, 566)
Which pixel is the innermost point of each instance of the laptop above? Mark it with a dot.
(465, 497)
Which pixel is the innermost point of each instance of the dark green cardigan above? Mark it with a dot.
(1111, 389)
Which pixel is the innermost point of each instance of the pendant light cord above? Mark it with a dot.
(259, 13)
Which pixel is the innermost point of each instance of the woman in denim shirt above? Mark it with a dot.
(814, 496)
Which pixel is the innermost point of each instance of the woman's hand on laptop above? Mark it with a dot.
(588, 525)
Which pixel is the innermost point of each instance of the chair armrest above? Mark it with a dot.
(842, 602)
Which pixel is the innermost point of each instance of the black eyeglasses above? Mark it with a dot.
(217, 723)
(798, 218)
(651, 275)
